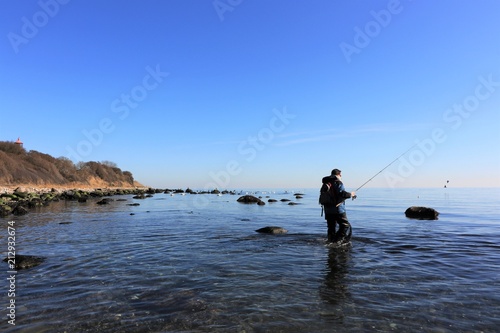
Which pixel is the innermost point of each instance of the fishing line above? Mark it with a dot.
(388, 165)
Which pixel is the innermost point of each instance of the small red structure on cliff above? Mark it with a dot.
(18, 142)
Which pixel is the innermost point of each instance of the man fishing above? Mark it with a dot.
(332, 198)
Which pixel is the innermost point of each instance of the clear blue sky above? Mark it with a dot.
(241, 94)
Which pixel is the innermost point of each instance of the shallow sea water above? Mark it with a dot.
(194, 263)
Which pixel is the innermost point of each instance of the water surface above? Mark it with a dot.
(194, 263)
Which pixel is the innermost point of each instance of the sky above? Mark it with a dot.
(235, 94)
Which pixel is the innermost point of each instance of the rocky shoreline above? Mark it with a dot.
(19, 200)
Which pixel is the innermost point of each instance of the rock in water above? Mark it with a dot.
(19, 210)
(421, 213)
(23, 262)
(104, 201)
(5, 210)
(272, 230)
(250, 199)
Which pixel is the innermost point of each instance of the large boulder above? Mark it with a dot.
(248, 199)
(421, 213)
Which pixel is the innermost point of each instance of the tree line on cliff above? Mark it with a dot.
(18, 166)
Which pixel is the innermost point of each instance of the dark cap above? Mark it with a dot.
(336, 172)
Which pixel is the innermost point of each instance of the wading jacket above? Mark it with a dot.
(340, 195)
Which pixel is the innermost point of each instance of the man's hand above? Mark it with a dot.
(353, 195)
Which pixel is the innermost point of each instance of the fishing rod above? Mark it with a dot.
(388, 165)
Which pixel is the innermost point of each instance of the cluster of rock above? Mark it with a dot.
(215, 191)
(249, 199)
(19, 202)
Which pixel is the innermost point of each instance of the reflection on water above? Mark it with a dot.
(335, 290)
(175, 266)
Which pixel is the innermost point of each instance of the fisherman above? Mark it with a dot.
(335, 213)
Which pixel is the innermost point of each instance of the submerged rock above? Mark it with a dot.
(20, 210)
(104, 201)
(272, 230)
(23, 262)
(421, 213)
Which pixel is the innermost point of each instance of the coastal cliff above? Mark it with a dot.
(36, 170)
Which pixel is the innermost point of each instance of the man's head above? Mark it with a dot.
(336, 172)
